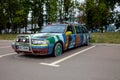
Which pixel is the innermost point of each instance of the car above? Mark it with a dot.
(52, 40)
(117, 30)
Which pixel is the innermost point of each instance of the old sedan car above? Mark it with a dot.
(52, 40)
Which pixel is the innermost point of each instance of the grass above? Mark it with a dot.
(7, 36)
(109, 37)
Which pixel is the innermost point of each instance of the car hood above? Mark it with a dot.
(42, 36)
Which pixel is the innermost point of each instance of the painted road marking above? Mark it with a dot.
(5, 47)
(54, 64)
(7, 55)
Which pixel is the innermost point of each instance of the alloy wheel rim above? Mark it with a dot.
(58, 50)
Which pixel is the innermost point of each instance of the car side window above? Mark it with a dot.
(86, 31)
(81, 30)
(70, 28)
(77, 29)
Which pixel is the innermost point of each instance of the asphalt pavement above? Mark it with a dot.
(94, 62)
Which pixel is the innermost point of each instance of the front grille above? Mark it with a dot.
(23, 43)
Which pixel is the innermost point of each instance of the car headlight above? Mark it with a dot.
(39, 42)
(16, 40)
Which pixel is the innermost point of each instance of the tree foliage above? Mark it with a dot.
(99, 12)
(14, 13)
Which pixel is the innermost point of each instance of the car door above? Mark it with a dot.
(85, 34)
(71, 37)
(81, 35)
(78, 35)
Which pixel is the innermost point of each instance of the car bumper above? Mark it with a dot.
(40, 50)
(33, 49)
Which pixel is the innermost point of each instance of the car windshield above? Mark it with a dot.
(53, 29)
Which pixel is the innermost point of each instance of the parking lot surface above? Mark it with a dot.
(94, 62)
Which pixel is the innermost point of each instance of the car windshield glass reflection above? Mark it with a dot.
(53, 29)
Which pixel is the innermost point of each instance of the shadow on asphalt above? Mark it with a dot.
(34, 56)
(65, 53)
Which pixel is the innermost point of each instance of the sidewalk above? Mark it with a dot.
(106, 44)
(6, 40)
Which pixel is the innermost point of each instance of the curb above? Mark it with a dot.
(105, 44)
(6, 40)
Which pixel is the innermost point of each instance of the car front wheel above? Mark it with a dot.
(57, 50)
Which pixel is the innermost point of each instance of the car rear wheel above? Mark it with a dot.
(57, 50)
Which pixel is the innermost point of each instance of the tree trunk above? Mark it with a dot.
(32, 23)
(25, 25)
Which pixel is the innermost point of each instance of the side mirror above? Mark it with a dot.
(68, 33)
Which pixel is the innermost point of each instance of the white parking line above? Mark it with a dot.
(54, 64)
(5, 47)
(7, 54)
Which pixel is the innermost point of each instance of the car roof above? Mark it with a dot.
(60, 24)
(66, 24)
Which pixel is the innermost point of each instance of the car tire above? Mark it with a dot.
(57, 51)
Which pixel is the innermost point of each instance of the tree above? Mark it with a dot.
(111, 3)
(13, 14)
(82, 12)
(26, 8)
(97, 13)
(37, 13)
(11, 10)
(60, 10)
(51, 10)
(117, 24)
(68, 8)
(3, 15)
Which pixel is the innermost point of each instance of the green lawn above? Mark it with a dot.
(112, 37)
(7, 36)
(109, 37)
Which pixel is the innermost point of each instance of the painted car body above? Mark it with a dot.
(44, 43)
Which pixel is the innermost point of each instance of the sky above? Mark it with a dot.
(117, 8)
(81, 0)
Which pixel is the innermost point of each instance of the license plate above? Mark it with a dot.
(23, 48)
